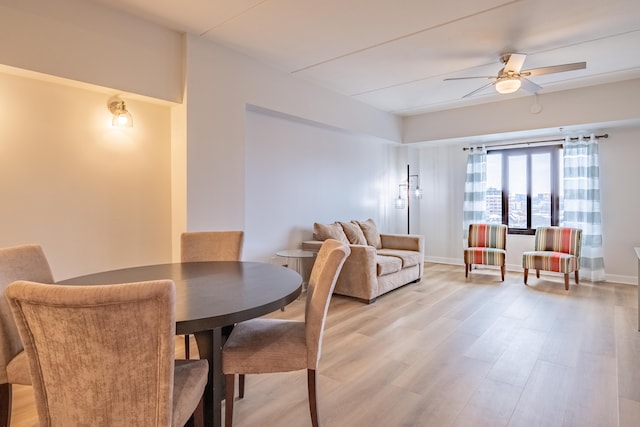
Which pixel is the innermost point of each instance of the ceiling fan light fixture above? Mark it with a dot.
(508, 85)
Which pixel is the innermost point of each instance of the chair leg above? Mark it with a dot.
(198, 414)
(313, 405)
(537, 273)
(241, 386)
(576, 273)
(502, 271)
(526, 275)
(566, 281)
(228, 400)
(466, 270)
(186, 347)
(5, 404)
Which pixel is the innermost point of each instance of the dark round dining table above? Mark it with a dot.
(209, 296)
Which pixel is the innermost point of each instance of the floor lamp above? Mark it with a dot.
(404, 195)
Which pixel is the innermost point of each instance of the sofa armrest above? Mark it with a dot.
(407, 242)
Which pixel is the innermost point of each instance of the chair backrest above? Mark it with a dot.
(487, 236)
(198, 246)
(559, 239)
(99, 355)
(324, 275)
(25, 262)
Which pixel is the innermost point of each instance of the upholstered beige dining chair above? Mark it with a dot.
(25, 262)
(198, 246)
(104, 355)
(211, 246)
(275, 345)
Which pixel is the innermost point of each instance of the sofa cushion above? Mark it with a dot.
(408, 258)
(354, 233)
(371, 233)
(387, 264)
(329, 231)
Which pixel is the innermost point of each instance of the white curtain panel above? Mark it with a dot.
(474, 207)
(582, 203)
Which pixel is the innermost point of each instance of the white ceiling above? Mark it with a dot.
(394, 54)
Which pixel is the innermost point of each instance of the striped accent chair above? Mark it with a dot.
(556, 249)
(487, 246)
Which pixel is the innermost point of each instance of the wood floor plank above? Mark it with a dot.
(451, 351)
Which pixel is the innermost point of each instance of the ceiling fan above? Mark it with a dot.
(511, 77)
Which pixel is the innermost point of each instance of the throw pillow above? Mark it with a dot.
(354, 233)
(371, 233)
(329, 231)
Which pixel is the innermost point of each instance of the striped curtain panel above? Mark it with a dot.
(582, 203)
(474, 207)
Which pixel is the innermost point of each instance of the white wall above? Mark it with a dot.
(441, 221)
(299, 172)
(95, 198)
(86, 42)
(570, 109)
(221, 85)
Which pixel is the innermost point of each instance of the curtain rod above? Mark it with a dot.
(606, 135)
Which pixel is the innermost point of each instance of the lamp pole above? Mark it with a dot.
(408, 200)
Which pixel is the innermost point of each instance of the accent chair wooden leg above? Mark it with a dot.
(576, 277)
(198, 414)
(241, 386)
(566, 281)
(502, 271)
(526, 275)
(313, 405)
(228, 399)
(466, 270)
(186, 347)
(537, 273)
(5, 404)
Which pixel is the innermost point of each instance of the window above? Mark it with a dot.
(523, 188)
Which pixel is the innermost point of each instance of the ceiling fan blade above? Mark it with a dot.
(475, 77)
(515, 62)
(529, 86)
(554, 69)
(479, 89)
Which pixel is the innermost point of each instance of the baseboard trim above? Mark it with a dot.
(611, 278)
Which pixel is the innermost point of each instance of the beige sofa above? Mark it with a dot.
(378, 263)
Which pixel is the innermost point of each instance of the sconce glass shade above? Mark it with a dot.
(121, 117)
(400, 203)
(508, 85)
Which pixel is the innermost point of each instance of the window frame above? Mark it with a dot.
(554, 171)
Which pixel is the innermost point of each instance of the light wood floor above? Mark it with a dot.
(456, 352)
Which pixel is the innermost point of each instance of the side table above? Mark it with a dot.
(303, 262)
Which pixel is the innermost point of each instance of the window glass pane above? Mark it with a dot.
(517, 191)
(540, 190)
(560, 172)
(494, 188)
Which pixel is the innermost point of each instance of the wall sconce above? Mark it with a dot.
(406, 190)
(121, 117)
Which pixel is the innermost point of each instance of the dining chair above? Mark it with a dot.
(487, 246)
(104, 355)
(199, 246)
(24, 262)
(265, 345)
(211, 246)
